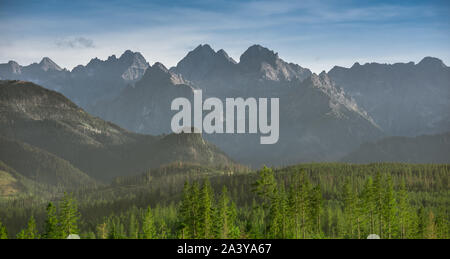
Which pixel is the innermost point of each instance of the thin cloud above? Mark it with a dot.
(337, 33)
(75, 43)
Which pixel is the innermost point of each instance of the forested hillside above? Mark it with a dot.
(52, 132)
(323, 200)
(421, 149)
(42, 166)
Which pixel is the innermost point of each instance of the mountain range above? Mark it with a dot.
(323, 117)
(405, 99)
(317, 121)
(85, 85)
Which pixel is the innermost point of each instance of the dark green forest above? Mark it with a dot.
(180, 200)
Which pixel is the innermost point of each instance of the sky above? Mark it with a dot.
(317, 34)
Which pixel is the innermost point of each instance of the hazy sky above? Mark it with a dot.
(315, 34)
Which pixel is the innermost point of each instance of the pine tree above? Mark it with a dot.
(68, 217)
(206, 211)
(133, 229)
(102, 231)
(328, 222)
(369, 202)
(234, 231)
(303, 201)
(255, 221)
(430, 231)
(359, 213)
(195, 210)
(113, 231)
(286, 222)
(349, 200)
(265, 187)
(315, 202)
(51, 223)
(379, 199)
(442, 224)
(222, 224)
(389, 208)
(31, 230)
(21, 234)
(404, 210)
(148, 225)
(162, 230)
(421, 225)
(3, 232)
(185, 213)
(294, 211)
(275, 216)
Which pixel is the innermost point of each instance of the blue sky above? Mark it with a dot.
(315, 34)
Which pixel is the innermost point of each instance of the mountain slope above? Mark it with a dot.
(15, 185)
(49, 121)
(10, 182)
(405, 99)
(42, 166)
(145, 106)
(421, 149)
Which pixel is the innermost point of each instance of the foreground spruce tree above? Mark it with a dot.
(148, 225)
(68, 216)
(206, 211)
(30, 232)
(389, 209)
(52, 230)
(3, 232)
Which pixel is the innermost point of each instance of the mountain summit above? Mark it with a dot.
(47, 64)
(203, 62)
(266, 64)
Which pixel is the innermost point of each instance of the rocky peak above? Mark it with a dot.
(133, 59)
(255, 55)
(159, 74)
(12, 67)
(47, 64)
(321, 80)
(112, 58)
(134, 64)
(203, 54)
(203, 62)
(268, 66)
(130, 66)
(222, 53)
(94, 62)
(204, 49)
(431, 62)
